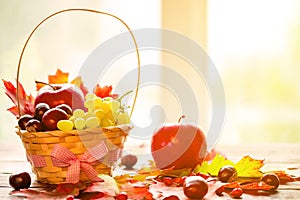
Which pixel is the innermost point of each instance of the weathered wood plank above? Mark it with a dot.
(277, 157)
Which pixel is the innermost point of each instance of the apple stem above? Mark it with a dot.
(40, 82)
(180, 118)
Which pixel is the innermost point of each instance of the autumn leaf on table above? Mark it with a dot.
(246, 167)
(214, 166)
(284, 177)
(249, 167)
(108, 186)
(137, 190)
(33, 194)
(251, 185)
(26, 101)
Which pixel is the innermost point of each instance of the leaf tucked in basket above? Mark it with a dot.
(104, 91)
(26, 101)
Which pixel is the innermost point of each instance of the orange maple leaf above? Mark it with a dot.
(59, 77)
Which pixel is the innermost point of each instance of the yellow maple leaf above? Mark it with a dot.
(246, 167)
(249, 167)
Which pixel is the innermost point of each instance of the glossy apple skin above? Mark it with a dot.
(63, 94)
(179, 146)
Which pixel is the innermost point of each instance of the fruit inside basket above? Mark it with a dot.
(70, 134)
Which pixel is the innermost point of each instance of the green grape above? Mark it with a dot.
(105, 107)
(90, 96)
(115, 105)
(87, 115)
(92, 122)
(106, 122)
(89, 103)
(123, 118)
(99, 113)
(65, 125)
(79, 123)
(97, 101)
(72, 118)
(109, 115)
(78, 113)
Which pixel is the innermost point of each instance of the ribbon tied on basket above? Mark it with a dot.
(63, 157)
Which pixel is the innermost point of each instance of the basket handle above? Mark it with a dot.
(83, 10)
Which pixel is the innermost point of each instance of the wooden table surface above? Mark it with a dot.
(276, 156)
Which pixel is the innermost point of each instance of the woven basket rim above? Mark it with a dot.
(123, 127)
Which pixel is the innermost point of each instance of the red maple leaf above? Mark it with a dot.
(26, 101)
(104, 91)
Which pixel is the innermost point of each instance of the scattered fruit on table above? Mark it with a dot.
(172, 197)
(168, 181)
(121, 196)
(128, 161)
(271, 179)
(20, 181)
(178, 145)
(195, 187)
(236, 192)
(227, 174)
(57, 94)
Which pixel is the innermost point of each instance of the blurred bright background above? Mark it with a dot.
(254, 44)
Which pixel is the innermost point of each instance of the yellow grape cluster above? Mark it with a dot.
(100, 113)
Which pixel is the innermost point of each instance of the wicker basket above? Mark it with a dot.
(78, 155)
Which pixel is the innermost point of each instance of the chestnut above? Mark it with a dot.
(20, 181)
(128, 161)
(195, 187)
(227, 174)
(271, 179)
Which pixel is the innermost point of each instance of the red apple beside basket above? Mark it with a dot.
(76, 155)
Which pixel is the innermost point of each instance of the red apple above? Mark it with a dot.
(61, 94)
(52, 116)
(179, 146)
